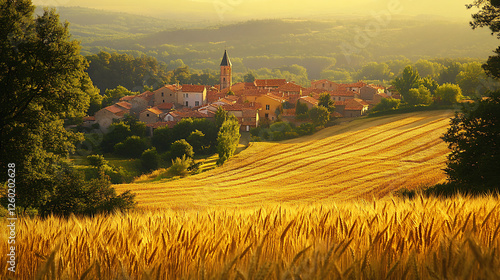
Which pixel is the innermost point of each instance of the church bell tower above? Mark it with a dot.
(226, 76)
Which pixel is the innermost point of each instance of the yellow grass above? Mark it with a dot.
(389, 239)
(365, 158)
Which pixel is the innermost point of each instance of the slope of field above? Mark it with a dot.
(366, 158)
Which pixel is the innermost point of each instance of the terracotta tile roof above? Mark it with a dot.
(193, 88)
(241, 107)
(310, 100)
(336, 115)
(275, 97)
(154, 110)
(162, 124)
(88, 118)
(383, 95)
(307, 91)
(128, 97)
(115, 109)
(289, 112)
(355, 104)
(290, 87)
(170, 87)
(269, 82)
(213, 96)
(124, 105)
(188, 114)
(339, 103)
(344, 93)
(147, 95)
(313, 82)
(165, 106)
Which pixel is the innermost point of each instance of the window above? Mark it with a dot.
(170, 94)
(187, 95)
(147, 115)
(187, 103)
(266, 116)
(223, 79)
(268, 107)
(197, 103)
(162, 94)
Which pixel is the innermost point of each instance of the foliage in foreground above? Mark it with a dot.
(473, 138)
(422, 238)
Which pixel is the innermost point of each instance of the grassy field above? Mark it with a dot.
(365, 158)
(426, 238)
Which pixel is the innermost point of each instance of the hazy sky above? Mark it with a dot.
(223, 10)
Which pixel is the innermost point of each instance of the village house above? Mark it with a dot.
(246, 113)
(367, 92)
(166, 94)
(270, 104)
(105, 116)
(141, 102)
(150, 115)
(309, 101)
(343, 95)
(176, 116)
(269, 84)
(324, 85)
(192, 95)
(355, 108)
(354, 86)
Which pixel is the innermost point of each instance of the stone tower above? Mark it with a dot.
(226, 76)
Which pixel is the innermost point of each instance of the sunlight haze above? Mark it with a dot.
(236, 10)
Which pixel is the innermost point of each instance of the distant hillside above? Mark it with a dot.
(91, 24)
(369, 157)
(341, 43)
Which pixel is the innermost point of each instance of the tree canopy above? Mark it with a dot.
(43, 81)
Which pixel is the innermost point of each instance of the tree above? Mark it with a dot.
(429, 83)
(132, 147)
(150, 160)
(326, 101)
(301, 108)
(249, 78)
(417, 96)
(449, 74)
(473, 138)
(472, 79)
(197, 140)
(375, 71)
(228, 139)
(43, 81)
(162, 139)
(409, 79)
(319, 115)
(113, 95)
(220, 117)
(387, 104)
(181, 148)
(117, 133)
(448, 94)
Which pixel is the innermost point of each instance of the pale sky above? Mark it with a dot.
(230, 10)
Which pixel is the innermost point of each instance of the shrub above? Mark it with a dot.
(97, 161)
(181, 148)
(132, 147)
(180, 166)
(387, 104)
(162, 139)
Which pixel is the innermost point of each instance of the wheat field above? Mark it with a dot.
(317, 207)
(425, 238)
(365, 158)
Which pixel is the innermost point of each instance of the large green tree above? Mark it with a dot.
(474, 140)
(228, 139)
(43, 81)
(409, 79)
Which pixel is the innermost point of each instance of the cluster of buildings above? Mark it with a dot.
(248, 102)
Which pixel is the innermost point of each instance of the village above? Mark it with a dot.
(250, 103)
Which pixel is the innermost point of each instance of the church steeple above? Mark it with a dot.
(225, 72)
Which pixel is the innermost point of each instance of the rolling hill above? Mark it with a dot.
(362, 159)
